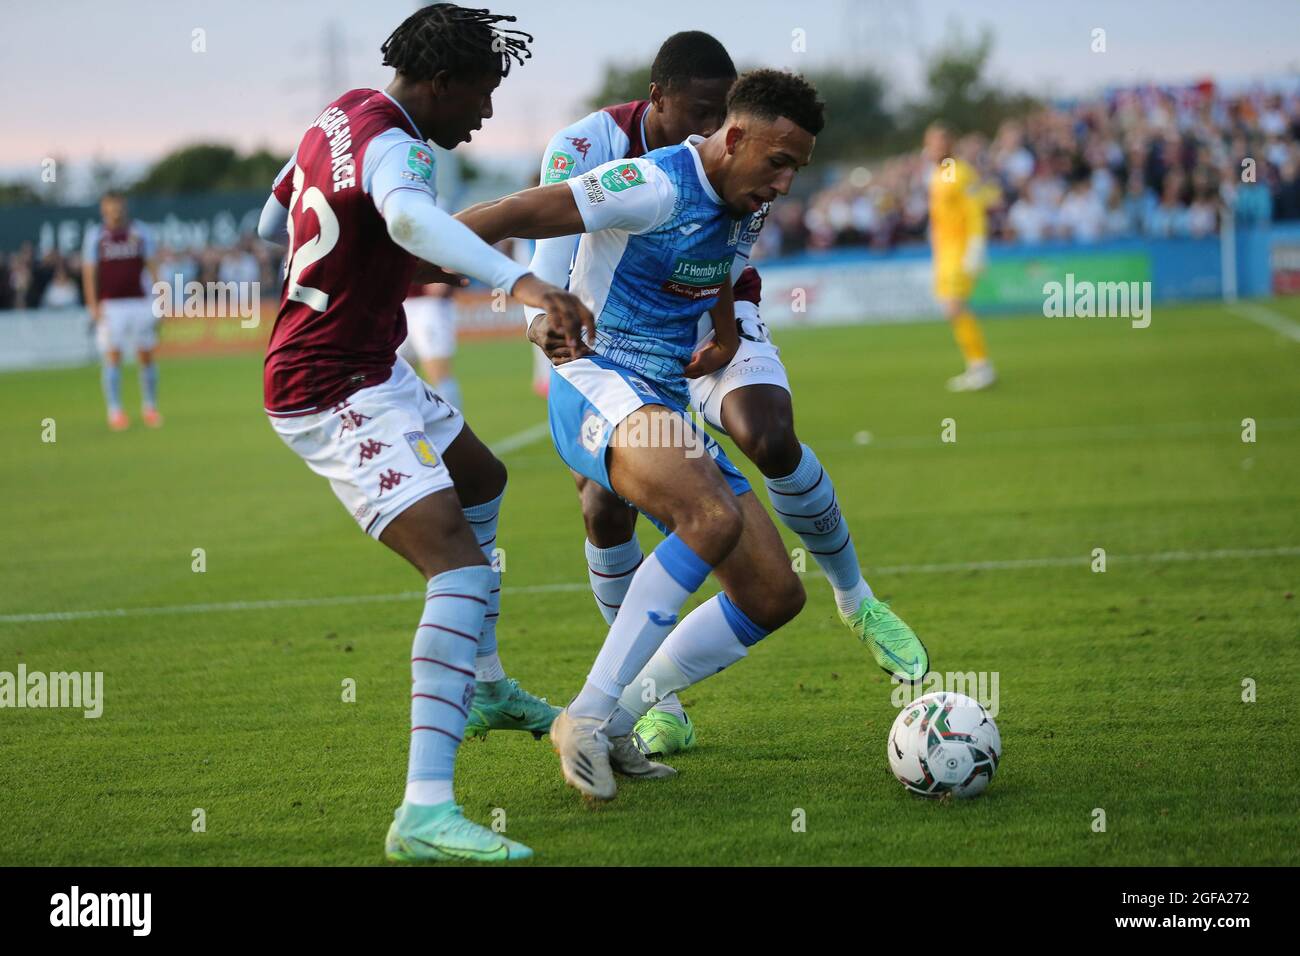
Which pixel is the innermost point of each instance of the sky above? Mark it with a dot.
(122, 80)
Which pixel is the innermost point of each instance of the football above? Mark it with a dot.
(944, 743)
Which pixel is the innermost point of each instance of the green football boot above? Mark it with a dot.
(897, 650)
(660, 733)
(504, 705)
(440, 833)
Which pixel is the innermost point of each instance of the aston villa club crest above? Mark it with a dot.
(422, 450)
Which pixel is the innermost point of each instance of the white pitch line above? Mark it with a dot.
(958, 567)
(522, 439)
(1269, 318)
(1072, 433)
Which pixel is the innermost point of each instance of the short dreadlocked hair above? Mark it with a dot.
(460, 40)
(690, 55)
(771, 94)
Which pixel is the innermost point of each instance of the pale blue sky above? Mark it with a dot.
(119, 79)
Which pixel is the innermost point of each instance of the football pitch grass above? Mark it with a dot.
(1120, 692)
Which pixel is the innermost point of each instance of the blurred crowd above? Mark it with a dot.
(1140, 162)
(1151, 161)
(29, 279)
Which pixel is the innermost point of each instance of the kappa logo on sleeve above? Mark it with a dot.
(622, 176)
(559, 168)
(420, 161)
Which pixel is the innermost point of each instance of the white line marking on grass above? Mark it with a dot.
(523, 439)
(1159, 557)
(1069, 434)
(1269, 318)
(958, 567)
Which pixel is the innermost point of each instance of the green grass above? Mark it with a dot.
(1120, 691)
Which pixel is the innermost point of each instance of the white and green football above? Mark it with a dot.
(944, 743)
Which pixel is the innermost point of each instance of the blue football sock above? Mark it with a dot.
(711, 638)
(805, 502)
(610, 572)
(667, 577)
(149, 384)
(442, 668)
(449, 391)
(483, 522)
(111, 380)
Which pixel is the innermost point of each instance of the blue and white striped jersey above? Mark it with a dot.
(659, 245)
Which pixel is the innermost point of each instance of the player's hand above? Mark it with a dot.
(976, 256)
(552, 342)
(708, 360)
(96, 313)
(565, 311)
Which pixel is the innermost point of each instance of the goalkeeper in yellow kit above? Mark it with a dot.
(957, 240)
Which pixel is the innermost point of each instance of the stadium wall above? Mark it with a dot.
(833, 288)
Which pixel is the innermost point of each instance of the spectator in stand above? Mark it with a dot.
(61, 291)
(1082, 216)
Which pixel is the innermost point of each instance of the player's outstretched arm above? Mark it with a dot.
(538, 213)
(427, 232)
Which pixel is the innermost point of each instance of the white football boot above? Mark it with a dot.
(626, 759)
(977, 377)
(584, 755)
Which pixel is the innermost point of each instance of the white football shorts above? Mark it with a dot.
(380, 448)
(126, 325)
(431, 326)
(757, 362)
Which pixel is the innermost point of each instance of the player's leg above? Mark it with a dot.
(612, 550)
(979, 373)
(434, 537)
(146, 344)
(432, 326)
(110, 377)
(753, 405)
(381, 450)
(760, 594)
(613, 554)
(680, 484)
(499, 702)
(109, 335)
(149, 388)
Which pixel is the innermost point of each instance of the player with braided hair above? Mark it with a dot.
(356, 208)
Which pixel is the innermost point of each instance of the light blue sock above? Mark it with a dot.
(711, 638)
(149, 384)
(449, 390)
(666, 578)
(110, 379)
(483, 521)
(442, 668)
(805, 502)
(610, 572)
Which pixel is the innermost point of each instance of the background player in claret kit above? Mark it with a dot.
(661, 234)
(431, 327)
(957, 240)
(749, 399)
(356, 207)
(116, 255)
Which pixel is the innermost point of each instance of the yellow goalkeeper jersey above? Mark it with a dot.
(956, 209)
